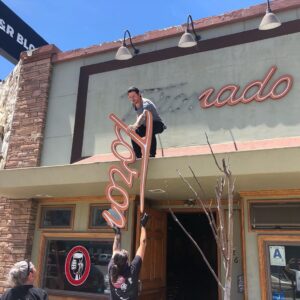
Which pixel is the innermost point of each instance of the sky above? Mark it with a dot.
(72, 24)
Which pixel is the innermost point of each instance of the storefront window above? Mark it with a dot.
(77, 266)
(56, 217)
(282, 259)
(285, 271)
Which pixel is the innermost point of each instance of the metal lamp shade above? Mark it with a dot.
(187, 40)
(123, 53)
(269, 21)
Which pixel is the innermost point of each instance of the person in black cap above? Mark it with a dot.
(21, 277)
(140, 105)
(123, 276)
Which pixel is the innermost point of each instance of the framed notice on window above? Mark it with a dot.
(279, 267)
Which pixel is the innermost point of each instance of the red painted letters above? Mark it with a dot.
(125, 173)
(259, 94)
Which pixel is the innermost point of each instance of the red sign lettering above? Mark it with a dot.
(125, 173)
(257, 87)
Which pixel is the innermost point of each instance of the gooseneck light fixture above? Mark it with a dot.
(123, 53)
(270, 20)
(187, 39)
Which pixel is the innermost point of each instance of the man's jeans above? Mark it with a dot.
(158, 127)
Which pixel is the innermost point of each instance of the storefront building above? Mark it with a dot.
(239, 85)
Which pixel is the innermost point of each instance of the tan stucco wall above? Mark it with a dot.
(174, 85)
(252, 273)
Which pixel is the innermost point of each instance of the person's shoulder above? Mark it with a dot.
(38, 291)
(6, 295)
(136, 265)
(137, 260)
(9, 294)
(147, 103)
(111, 262)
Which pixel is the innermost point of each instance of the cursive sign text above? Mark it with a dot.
(227, 94)
(125, 172)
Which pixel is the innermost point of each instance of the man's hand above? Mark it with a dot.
(117, 239)
(144, 220)
(116, 230)
(133, 127)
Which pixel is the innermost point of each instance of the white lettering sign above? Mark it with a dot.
(20, 39)
(2, 25)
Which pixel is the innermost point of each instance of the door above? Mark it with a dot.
(153, 273)
(188, 277)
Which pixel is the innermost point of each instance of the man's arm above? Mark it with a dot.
(117, 240)
(143, 243)
(139, 121)
(143, 237)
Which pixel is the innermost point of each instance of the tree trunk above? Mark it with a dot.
(227, 288)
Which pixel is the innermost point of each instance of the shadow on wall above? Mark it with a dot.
(174, 104)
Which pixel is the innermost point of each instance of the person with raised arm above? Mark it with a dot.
(123, 275)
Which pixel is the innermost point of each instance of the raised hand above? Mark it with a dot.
(144, 219)
(116, 229)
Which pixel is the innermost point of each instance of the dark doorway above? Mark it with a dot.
(188, 277)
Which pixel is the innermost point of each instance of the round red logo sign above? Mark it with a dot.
(77, 265)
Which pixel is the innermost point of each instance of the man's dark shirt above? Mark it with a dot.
(126, 286)
(25, 292)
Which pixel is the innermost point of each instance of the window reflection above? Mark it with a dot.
(96, 219)
(54, 277)
(56, 217)
(285, 271)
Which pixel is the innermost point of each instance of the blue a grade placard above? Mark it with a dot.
(278, 296)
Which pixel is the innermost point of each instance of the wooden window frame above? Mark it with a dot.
(72, 207)
(45, 236)
(272, 231)
(263, 242)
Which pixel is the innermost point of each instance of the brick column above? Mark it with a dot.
(17, 223)
(18, 217)
(26, 140)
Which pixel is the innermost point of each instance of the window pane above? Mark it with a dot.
(285, 271)
(56, 217)
(96, 216)
(283, 216)
(55, 277)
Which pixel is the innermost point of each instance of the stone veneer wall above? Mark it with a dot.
(25, 143)
(18, 217)
(8, 96)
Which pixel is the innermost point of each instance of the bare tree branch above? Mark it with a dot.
(219, 192)
(213, 154)
(228, 240)
(224, 240)
(202, 206)
(211, 219)
(235, 146)
(196, 179)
